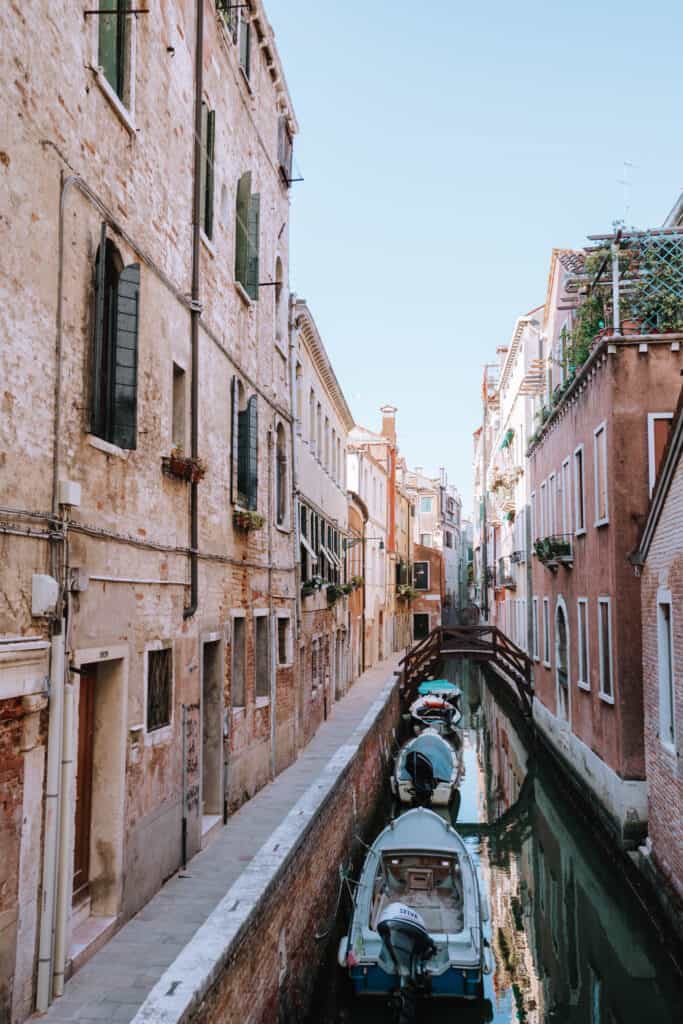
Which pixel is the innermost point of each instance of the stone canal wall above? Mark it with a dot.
(255, 959)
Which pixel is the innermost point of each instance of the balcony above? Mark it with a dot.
(556, 550)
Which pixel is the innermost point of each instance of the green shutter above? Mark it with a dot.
(209, 157)
(111, 51)
(202, 167)
(97, 406)
(234, 421)
(245, 44)
(125, 382)
(242, 459)
(252, 452)
(253, 240)
(242, 228)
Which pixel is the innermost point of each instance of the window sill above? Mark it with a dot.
(581, 532)
(246, 299)
(606, 698)
(159, 736)
(261, 702)
(546, 664)
(282, 527)
(245, 79)
(239, 710)
(207, 243)
(668, 748)
(122, 112)
(601, 522)
(284, 665)
(586, 687)
(107, 447)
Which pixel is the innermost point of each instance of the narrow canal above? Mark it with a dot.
(570, 942)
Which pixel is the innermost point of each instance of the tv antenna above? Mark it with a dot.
(626, 181)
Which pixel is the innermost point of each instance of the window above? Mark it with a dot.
(426, 540)
(229, 13)
(333, 470)
(315, 663)
(280, 476)
(206, 170)
(113, 44)
(534, 520)
(546, 632)
(179, 416)
(544, 509)
(311, 420)
(562, 658)
(244, 42)
(658, 428)
(595, 997)
(244, 447)
(552, 505)
(159, 688)
(600, 469)
(115, 348)
(579, 492)
(239, 661)
(247, 237)
(426, 505)
(421, 575)
(326, 456)
(261, 656)
(534, 630)
(340, 469)
(448, 538)
(667, 730)
(319, 431)
(283, 641)
(584, 679)
(309, 551)
(420, 626)
(566, 499)
(605, 648)
(284, 150)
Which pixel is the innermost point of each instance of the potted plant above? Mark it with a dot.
(247, 519)
(357, 582)
(404, 592)
(182, 466)
(348, 588)
(334, 592)
(311, 586)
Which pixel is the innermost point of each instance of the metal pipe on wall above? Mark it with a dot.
(64, 875)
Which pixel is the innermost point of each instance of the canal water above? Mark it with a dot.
(571, 945)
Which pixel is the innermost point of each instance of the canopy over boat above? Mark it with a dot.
(440, 688)
(439, 753)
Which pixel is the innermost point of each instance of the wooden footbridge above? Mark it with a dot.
(483, 644)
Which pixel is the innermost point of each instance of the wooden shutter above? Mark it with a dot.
(252, 452)
(242, 228)
(97, 397)
(209, 158)
(235, 433)
(125, 383)
(253, 239)
(245, 44)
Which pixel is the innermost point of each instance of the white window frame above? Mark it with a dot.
(262, 701)
(552, 505)
(601, 429)
(426, 511)
(544, 509)
(532, 506)
(565, 477)
(423, 561)
(664, 598)
(652, 469)
(583, 641)
(536, 654)
(123, 108)
(238, 614)
(284, 616)
(546, 632)
(603, 694)
(579, 514)
(431, 540)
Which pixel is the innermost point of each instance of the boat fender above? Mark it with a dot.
(488, 960)
(343, 952)
(484, 903)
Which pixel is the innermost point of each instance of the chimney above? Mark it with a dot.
(389, 422)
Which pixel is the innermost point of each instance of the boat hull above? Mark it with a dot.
(441, 797)
(454, 983)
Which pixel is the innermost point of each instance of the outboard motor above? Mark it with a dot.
(420, 769)
(408, 942)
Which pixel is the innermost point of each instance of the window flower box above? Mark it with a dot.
(404, 592)
(334, 592)
(246, 519)
(311, 586)
(183, 467)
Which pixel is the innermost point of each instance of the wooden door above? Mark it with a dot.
(84, 766)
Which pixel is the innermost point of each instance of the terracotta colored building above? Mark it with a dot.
(592, 463)
(660, 555)
(428, 582)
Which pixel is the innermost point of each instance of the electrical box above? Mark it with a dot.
(69, 493)
(80, 579)
(44, 594)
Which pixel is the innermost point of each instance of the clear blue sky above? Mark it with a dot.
(447, 147)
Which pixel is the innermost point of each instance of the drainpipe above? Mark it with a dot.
(272, 511)
(54, 753)
(362, 614)
(196, 309)
(64, 876)
(484, 528)
(298, 668)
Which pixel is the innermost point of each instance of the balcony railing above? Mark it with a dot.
(557, 549)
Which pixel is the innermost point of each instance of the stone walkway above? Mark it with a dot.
(112, 986)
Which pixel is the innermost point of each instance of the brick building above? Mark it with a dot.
(610, 392)
(428, 583)
(660, 556)
(323, 421)
(145, 458)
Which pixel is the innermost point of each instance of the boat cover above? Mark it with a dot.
(438, 752)
(442, 687)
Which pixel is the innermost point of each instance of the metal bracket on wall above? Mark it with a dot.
(117, 10)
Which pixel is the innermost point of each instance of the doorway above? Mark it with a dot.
(420, 627)
(562, 660)
(212, 734)
(84, 784)
(380, 638)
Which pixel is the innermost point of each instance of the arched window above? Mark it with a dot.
(280, 475)
(244, 447)
(115, 347)
(562, 658)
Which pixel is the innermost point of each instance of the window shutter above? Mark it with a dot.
(124, 419)
(210, 148)
(241, 228)
(97, 408)
(234, 421)
(252, 452)
(245, 44)
(253, 237)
